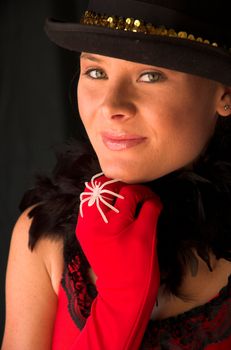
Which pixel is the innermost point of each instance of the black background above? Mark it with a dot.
(35, 112)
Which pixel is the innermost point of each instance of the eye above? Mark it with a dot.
(151, 77)
(95, 74)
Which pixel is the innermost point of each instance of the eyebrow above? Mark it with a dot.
(90, 57)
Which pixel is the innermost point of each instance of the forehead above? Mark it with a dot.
(85, 56)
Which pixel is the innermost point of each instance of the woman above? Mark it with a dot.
(147, 263)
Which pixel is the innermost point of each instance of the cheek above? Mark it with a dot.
(87, 105)
(81, 97)
(85, 108)
(89, 99)
(181, 134)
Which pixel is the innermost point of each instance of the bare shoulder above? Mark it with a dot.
(47, 253)
(32, 284)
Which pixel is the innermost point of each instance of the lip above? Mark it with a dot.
(119, 142)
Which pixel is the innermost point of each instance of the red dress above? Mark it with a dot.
(204, 327)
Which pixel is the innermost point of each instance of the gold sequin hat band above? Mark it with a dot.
(139, 26)
(179, 35)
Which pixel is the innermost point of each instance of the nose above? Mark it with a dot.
(118, 102)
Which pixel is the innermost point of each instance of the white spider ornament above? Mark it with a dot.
(96, 196)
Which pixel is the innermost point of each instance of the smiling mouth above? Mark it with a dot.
(122, 142)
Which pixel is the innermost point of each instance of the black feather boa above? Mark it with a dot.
(196, 214)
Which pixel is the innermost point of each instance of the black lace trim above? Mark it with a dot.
(80, 292)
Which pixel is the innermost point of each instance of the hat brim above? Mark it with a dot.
(178, 54)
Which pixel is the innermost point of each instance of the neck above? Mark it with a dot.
(205, 284)
(194, 290)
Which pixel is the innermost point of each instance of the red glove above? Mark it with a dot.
(122, 253)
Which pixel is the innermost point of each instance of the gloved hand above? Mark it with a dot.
(122, 253)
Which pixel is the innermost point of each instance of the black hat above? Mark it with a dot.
(188, 36)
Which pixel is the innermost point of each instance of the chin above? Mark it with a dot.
(131, 173)
(129, 176)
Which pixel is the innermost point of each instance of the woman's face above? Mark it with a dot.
(143, 121)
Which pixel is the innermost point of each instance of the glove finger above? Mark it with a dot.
(133, 197)
(149, 212)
